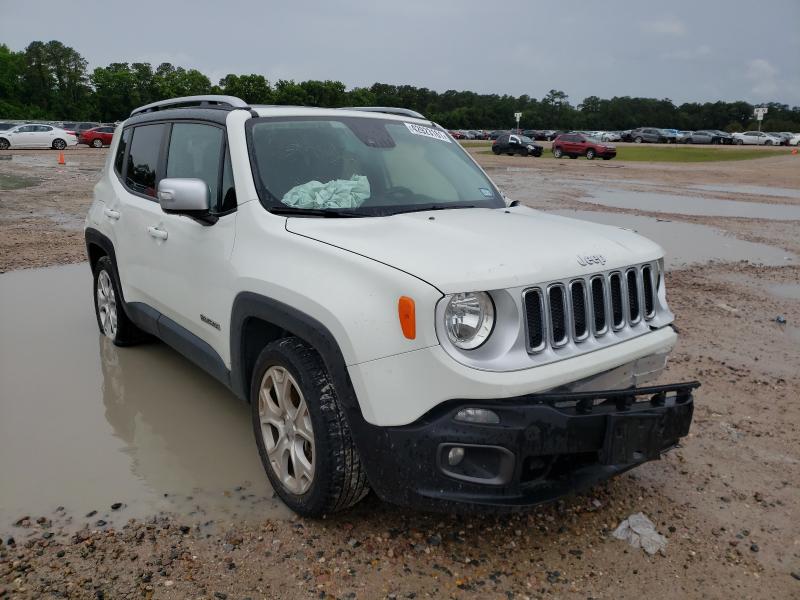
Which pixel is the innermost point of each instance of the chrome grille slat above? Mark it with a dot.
(584, 309)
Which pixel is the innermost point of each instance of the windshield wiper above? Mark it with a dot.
(433, 207)
(313, 212)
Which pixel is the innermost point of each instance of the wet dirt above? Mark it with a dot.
(689, 243)
(85, 424)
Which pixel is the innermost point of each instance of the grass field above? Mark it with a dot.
(678, 154)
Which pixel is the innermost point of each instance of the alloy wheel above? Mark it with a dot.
(106, 305)
(286, 429)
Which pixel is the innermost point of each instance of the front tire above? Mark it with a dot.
(4, 144)
(111, 317)
(638, 139)
(739, 142)
(590, 154)
(97, 143)
(557, 153)
(59, 144)
(302, 435)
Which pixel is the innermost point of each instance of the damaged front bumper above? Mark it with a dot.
(539, 447)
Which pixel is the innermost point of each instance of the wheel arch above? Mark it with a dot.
(257, 320)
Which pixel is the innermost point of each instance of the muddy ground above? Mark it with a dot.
(727, 500)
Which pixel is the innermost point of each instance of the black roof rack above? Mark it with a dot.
(208, 101)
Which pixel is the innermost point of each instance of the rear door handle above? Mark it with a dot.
(111, 214)
(157, 233)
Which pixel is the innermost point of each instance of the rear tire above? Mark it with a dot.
(59, 144)
(590, 154)
(557, 153)
(319, 470)
(496, 151)
(638, 139)
(108, 308)
(739, 142)
(97, 143)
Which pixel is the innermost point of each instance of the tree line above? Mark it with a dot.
(48, 80)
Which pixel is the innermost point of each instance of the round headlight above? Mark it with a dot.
(469, 319)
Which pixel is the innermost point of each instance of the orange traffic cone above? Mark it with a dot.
(61, 160)
(794, 152)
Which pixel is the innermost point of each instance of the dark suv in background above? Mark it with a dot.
(651, 135)
(512, 144)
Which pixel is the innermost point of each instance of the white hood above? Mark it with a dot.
(475, 249)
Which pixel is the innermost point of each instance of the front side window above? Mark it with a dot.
(145, 147)
(368, 166)
(195, 151)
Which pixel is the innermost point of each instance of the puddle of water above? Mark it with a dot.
(687, 205)
(84, 424)
(688, 243)
(755, 190)
(789, 291)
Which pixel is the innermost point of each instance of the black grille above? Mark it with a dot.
(616, 299)
(598, 304)
(649, 299)
(578, 293)
(533, 310)
(558, 317)
(633, 295)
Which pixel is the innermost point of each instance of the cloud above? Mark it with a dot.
(762, 76)
(687, 53)
(665, 26)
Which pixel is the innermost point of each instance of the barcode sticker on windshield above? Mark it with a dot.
(428, 132)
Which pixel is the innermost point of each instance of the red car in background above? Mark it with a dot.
(578, 144)
(97, 137)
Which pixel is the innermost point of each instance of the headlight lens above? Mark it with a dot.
(469, 319)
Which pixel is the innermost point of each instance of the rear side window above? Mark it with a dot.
(195, 151)
(141, 174)
(120, 157)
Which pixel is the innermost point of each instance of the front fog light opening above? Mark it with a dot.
(474, 463)
(482, 416)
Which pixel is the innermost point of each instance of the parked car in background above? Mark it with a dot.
(724, 136)
(578, 144)
(456, 134)
(6, 126)
(497, 133)
(794, 140)
(756, 138)
(704, 136)
(782, 136)
(36, 136)
(651, 135)
(97, 137)
(611, 136)
(77, 128)
(512, 144)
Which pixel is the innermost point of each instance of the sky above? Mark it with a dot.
(698, 50)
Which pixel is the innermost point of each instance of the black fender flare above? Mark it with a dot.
(249, 305)
(94, 237)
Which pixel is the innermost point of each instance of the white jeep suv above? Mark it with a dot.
(394, 321)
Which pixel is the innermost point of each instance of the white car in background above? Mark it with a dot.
(794, 140)
(34, 135)
(756, 138)
(610, 136)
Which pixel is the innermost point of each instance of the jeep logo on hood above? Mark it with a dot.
(591, 259)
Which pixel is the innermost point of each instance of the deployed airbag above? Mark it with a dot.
(337, 193)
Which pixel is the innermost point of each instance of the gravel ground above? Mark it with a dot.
(727, 500)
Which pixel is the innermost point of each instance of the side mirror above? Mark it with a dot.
(185, 197)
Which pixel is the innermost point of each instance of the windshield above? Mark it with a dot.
(362, 166)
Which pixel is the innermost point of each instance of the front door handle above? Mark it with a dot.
(157, 233)
(111, 214)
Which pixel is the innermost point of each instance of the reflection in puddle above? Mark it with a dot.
(688, 243)
(84, 424)
(690, 205)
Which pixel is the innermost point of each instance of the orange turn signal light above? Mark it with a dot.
(408, 317)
